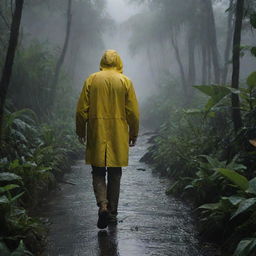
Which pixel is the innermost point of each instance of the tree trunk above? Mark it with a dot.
(62, 56)
(230, 29)
(191, 59)
(7, 69)
(236, 113)
(204, 67)
(212, 39)
(151, 68)
(182, 72)
(209, 64)
(204, 42)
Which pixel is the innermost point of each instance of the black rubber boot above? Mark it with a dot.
(103, 219)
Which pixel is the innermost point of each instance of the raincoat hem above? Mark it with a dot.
(103, 165)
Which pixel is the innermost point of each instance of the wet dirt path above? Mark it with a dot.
(150, 223)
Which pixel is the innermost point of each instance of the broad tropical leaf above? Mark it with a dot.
(234, 177)
(8, 176)
(4, 200)
(234, 200)
(216, 92)
(8, 187)
(212, 206)
(244, 206)
(252, 186)
(246, 247)
(251, 80)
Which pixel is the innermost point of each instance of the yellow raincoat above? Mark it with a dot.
(109, 107)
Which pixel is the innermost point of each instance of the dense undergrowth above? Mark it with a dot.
(209, 163)
(213, 166)
(33, 155)
(38, 145)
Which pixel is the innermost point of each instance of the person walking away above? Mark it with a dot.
(107, 119)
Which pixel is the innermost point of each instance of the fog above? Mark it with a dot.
(162, 43)
(195, 126)
(118, 38)
(147, 77)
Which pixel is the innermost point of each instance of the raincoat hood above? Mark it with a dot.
(111, 60)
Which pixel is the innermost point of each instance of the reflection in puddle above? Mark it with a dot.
(107, 240)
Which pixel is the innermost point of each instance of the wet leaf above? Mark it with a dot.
(252, 186)
(251, 80)
(8, 187)
(189, 187)
(234, 200)
(234, 177)
(244, 206)
(213, 206)
(216, 92)
(246, 247)
(8, 176)
(4, 200)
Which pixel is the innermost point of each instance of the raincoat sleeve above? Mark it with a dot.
(82, 109)
(132, 112)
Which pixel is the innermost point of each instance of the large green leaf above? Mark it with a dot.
(244, 206)
(4, 200)
(246, 247)
(234, 200)
(8, 176)
(251, 80)
(9, 119)
(8, 187)
(213, 90)
(234, 177)
(216, 92)
(212, 206)
(252, 186)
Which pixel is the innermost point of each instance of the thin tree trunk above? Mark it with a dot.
(152, 70)
(230, 29)
(204, 65)
(203, 41)
(212, 39)
(74, 60)
(182, 72)
(209, 64)
(191, 59)
(62, 55)
(236, 113)
(7, 69)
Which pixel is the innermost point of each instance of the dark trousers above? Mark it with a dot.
(107, 192)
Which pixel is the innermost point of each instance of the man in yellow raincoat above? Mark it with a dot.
(107, 118)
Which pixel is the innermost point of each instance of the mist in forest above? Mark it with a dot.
(140, 32)
(193, 67)
(145, 43)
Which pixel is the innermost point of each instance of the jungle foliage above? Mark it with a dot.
(210, 163)
(38, 143)
(33, 154)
